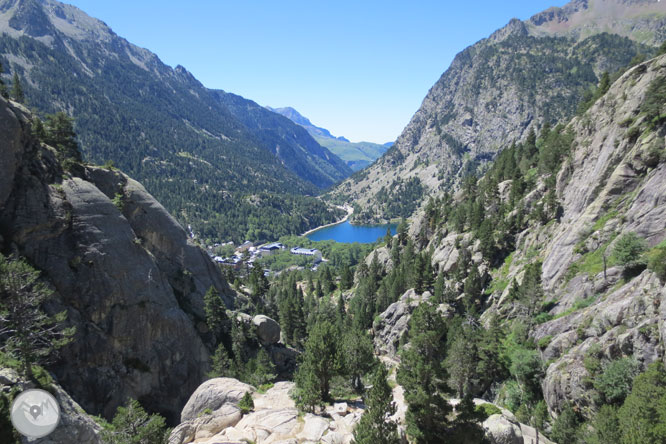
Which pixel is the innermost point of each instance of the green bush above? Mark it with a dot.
(628, 250)
(543, 317)
(543, 342)
(614, 383)
(132, 425)
(246, 403)
(486, 410)
(657, 263)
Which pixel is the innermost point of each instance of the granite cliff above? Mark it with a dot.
(124, 270)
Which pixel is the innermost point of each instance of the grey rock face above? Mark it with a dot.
(642, 20)
(394, 322)
(129, 280)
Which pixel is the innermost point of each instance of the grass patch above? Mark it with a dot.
(578, 305)
(592, 262)
(500, 282)
(544, 342)
(601, 222)
(263, 388)
(486, 410)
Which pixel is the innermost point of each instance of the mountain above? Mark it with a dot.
(290, 143)
(358, 155)
(495, 92)
(196, 149)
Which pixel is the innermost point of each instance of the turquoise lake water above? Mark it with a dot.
(348, 233)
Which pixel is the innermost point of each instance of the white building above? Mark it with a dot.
(307, 252)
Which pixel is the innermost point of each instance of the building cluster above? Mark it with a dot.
(247, 253)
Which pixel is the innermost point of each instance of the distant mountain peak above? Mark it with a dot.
(299, 119)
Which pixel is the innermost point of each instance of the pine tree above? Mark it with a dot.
(374, 426)
(320, 358)
(421, 374)
(308, 392)
(530, 294)
(388, 238)
(461, 363)
(17, 89)
(346, 278)
(60, 135)
(264, 369)
(132, 425)
(3, 87)
(25, 330)
(216, 314)
(358, 355)
(565, 428)
(643, 415)
(246, 404)
(440, 286)
(221, 364)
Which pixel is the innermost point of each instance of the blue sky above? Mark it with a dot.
(357, 68)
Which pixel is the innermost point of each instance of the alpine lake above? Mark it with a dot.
(347, 233)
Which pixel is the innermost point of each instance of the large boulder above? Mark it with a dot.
(502, 430)
(214, 394)
(268, 331)
(206, 424)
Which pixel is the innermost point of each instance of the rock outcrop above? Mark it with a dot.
(275, 418)
(393, 323)
(124, 270)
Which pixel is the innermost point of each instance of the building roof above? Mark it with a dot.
(299, 250)
(273, 246)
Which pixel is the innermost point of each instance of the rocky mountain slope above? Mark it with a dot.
(124, 270)
(158, 124)
(495, 92)
(591, 309)
(641, 20)
(357, 155)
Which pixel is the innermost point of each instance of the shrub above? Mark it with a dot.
(132, 424)
(614, 383)
(628, 250)
(486, 410)
(246, 403)
(543, 342)
(657, 263)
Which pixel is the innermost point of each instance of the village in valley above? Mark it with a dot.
(246, 255)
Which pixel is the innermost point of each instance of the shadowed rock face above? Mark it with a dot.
(124, 270)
